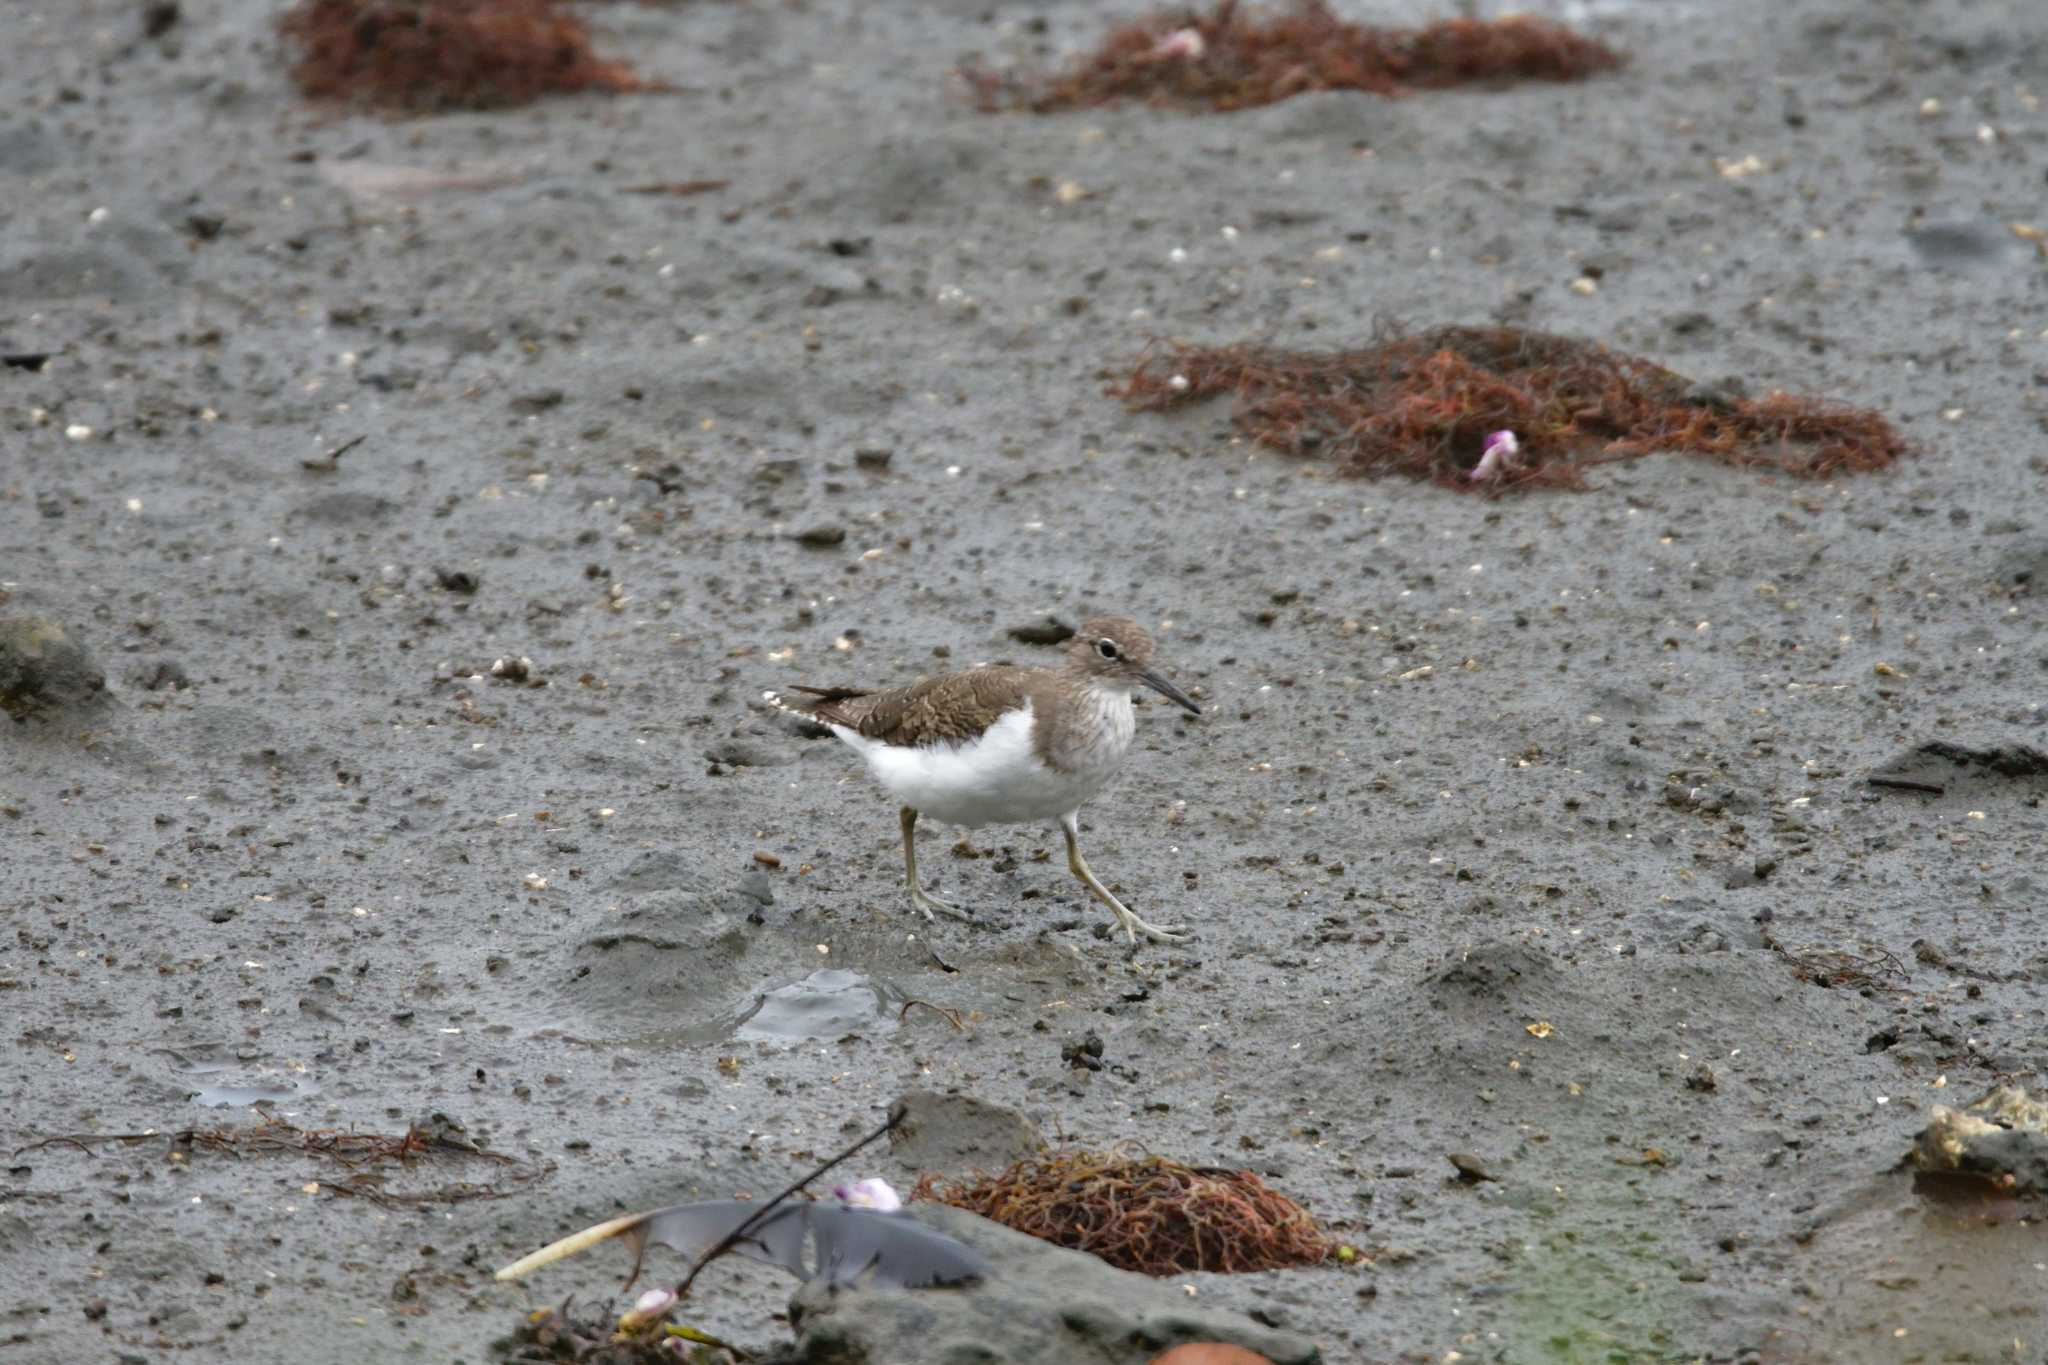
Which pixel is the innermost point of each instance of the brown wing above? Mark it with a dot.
(944, 710)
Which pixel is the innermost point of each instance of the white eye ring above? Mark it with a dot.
(1106, 648)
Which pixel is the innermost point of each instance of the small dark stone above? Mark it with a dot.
(1050, 631)
(458, 580)
(540, 400)
(42, 669)
(822, 537)
(1470, 1168)
(1085, 1055)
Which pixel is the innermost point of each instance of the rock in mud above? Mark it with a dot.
(43, 669)
(821, 537)
(1048, 630)
(955, 1132)
(1040, 1303)
(2002, 1137)
(1941, 765)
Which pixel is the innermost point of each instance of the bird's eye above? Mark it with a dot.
(1106, 648)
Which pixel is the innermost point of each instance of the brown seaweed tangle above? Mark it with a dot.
(1143, 1212)
(1422, 404)
(421, 56)
(1228, 59)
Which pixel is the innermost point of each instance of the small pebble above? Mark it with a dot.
(1470, 1168)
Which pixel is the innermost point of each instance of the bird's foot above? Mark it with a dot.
(1158, 933)
(933, 906)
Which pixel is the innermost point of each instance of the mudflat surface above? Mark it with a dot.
(1497, 812)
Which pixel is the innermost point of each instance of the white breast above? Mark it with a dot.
(994, 780)
(1111, 724)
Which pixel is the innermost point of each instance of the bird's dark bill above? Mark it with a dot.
(1168, 691)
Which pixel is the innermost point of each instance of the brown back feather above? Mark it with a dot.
(948, 709)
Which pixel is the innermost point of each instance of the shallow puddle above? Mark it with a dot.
(242, 1096)
(823, 1007)
(1965, 245)
(215, 1082)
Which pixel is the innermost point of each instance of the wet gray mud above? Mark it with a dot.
(1532, 830)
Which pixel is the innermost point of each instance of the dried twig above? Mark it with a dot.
(677, 187)
(354, 1152)
(1834, 967)
(951, 1016)
(1908, 784)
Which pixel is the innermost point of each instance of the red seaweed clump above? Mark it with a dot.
(1431, 404)
(1144, 1213)
(1228, 59)
(419, 56)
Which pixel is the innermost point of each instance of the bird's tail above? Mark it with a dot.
(814, 700)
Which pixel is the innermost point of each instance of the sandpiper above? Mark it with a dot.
(1003, 745)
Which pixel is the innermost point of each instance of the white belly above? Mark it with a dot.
(993, 780)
